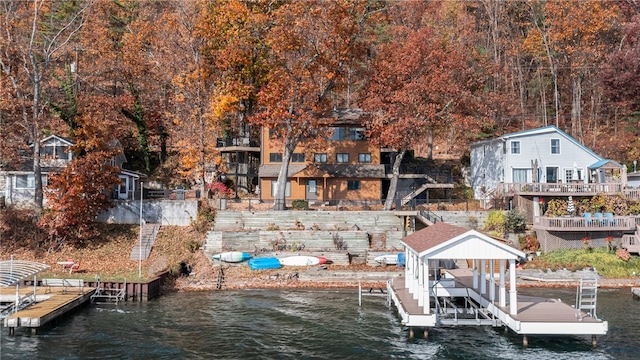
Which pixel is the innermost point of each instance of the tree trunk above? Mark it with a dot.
(393, 185)
(279, 201)
(38, 197)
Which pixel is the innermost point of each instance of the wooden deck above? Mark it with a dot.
(535, 315)
(53, 303)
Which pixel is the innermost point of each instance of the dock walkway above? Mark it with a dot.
(52, 303)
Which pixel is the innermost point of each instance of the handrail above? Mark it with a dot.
(431, 216)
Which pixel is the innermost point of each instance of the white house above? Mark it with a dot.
(17, 182)
(542, 155)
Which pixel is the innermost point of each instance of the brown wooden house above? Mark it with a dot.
(346, 171)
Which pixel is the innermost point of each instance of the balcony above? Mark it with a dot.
(239, 143)
(560, 189)
(569, 223)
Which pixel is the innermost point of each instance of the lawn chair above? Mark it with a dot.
(587, 216)
(609, 219)
(74, 268)
(598, 217)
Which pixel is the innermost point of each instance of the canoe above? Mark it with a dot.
(264, 263)
(299, 260)
(232, 256)
(387, 259)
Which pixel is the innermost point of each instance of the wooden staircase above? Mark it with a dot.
(143, 247)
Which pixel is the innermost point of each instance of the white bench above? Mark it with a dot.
(64, 283)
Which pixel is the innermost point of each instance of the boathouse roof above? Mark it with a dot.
(446, 241)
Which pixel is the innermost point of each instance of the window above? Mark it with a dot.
(25, 182)
(555, 146)
(515, 147)
(274, 187)
(275, 157)
(364, 157)
(297, 157)
(568, 175)
(552, 175)
(342, 158)
(339, 133)
(320, 158)
(520, 175)
(356, 134)
(353, 185)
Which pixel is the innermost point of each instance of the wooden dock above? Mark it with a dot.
(535, 315)
(52, 303)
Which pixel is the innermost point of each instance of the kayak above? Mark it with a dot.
(299, 260)
(232, 256)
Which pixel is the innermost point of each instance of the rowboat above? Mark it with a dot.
(299, 260)
(264, 263)
(232, 256)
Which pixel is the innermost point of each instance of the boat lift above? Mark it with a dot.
(12, 273)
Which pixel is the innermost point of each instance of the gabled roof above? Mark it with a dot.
(446, 241)
(605, 163)
(65, 140)
(274, 170)
(537, 131)
(311, 171)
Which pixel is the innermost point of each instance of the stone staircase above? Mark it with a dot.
(142, 249)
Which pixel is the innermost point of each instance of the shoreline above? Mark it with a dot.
(237, 278)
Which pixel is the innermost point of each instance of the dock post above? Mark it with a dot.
(410, 332)
(359, 293)
(426, 333)
(594, 342)
(525, 341)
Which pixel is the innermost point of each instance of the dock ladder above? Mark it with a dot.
(105, 295)
(587, 296)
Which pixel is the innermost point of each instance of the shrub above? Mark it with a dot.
(495, 223)
(300, 205)
(623, 254)
(531, 243)
(514, 222)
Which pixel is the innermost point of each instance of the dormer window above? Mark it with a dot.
(55, 151)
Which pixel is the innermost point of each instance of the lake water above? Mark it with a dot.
(305, 324)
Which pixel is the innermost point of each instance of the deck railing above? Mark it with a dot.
(560, 188)
(620, 223)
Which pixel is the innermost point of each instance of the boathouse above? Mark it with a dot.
(437, 292)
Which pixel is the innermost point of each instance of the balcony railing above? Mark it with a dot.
(616, 223)
(240, 141)
(559, 188)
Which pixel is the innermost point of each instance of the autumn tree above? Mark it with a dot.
(78, 193)
(621, 79)
(311, 44)
(34, 34)
(422, 82)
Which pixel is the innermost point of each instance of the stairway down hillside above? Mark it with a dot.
(148, 237)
